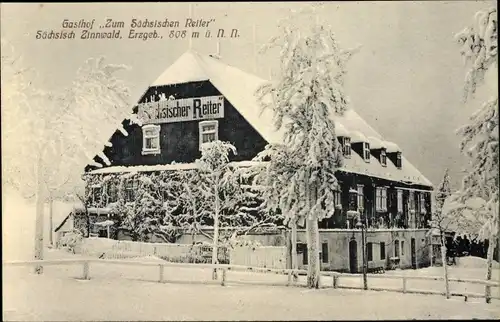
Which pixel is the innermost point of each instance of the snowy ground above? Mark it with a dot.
(131, 293)
(18, 224)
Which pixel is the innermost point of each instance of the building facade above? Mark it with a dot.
(199, 99)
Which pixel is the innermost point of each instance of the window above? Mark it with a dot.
(369, 251)
(112, 192)
(324, 252)
(302, 249)
(150, 139)
(422, 203)
(402, 248)
(347, 147)
(382, 250)
(396, 248)
(398, 160)
(130, 188)
(361, 204)
(96, 194)
(366, 151)
(411, 201)
(337, 197)
(381, 199)
(209, 131)
(383, 158)
(400, 201)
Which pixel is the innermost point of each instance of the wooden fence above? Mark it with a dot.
(224, 268)
(124, 249)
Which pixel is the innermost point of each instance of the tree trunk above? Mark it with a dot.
(216, 232)
(445, 267)
(51, 228)
(431, 252)
(39, 217)
(313, 271)
(294, 250)
(489, 262)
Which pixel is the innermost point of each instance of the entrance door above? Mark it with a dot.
(413, 254)
(353, 256)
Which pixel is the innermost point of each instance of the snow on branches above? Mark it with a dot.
(478, 47)
(305, 99)
(300, 177)
(480, 136)
(167, 204)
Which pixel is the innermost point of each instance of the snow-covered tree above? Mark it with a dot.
(300, 176)
(217, 178)
(480, 136)
(34, 144)
(48, 133)
(441, 221)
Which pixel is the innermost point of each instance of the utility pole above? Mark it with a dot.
(363, 224)
(365, 255)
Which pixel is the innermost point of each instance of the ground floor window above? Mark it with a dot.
(396, 248)
(382, 250)
(324, 252)
(369, 251)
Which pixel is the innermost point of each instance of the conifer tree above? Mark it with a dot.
(479, 49)
(300, 176)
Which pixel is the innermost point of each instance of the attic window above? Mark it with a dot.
(366, 151)
(150, 139)
(398, 160)
(209, 131)
(347, 147)
(383, 158)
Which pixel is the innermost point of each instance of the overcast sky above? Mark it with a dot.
(405, 82)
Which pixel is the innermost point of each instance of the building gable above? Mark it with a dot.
(179, 141)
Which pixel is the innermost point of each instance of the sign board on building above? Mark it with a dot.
(182, 110)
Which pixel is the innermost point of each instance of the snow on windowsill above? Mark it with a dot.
(150, 152)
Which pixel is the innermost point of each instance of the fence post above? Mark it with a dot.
(487, 293)
(161, 274)
(289, 278)
(335, 281)
(86, 269)
(223, 280)
(404, 284)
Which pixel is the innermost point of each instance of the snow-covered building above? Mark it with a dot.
(200, 99)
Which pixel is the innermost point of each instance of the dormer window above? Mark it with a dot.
(347, 147)
(366, 151)
(150, 139)
(383, 158)
(209, 131)
(398, 160)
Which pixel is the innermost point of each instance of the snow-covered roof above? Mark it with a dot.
(357, 136)
(239, 88)
(376, 143)
(340, 129)
(392, 147)
(164, 167)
